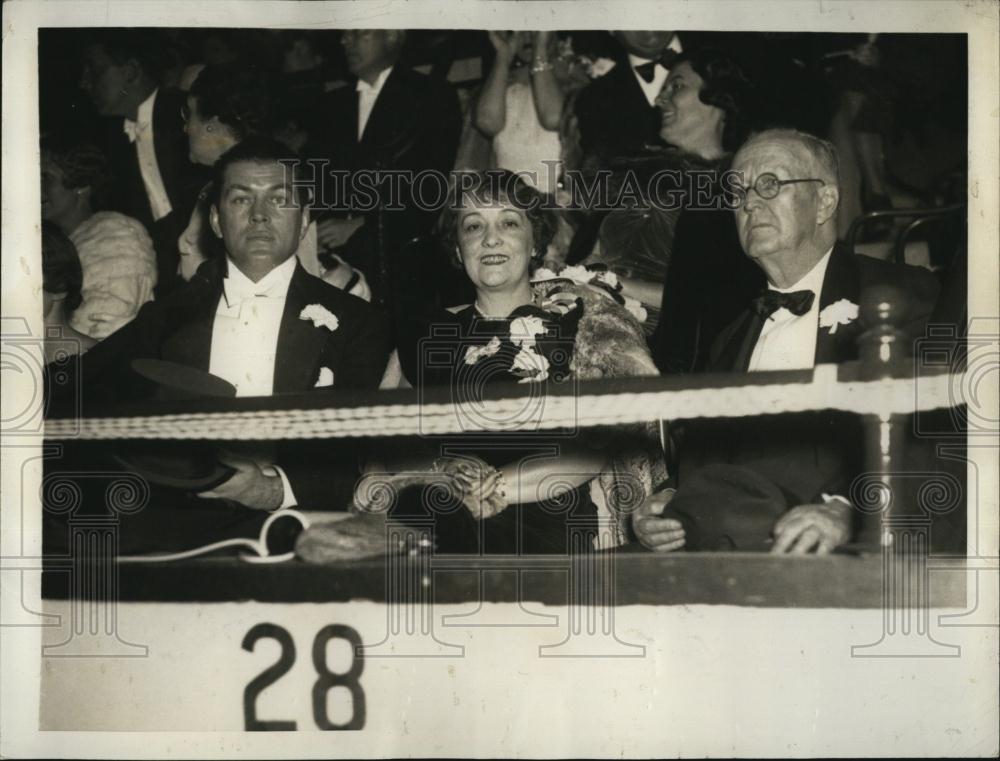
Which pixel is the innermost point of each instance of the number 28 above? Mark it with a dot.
(326, 679)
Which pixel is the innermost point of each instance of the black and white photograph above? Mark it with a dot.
(476, 380)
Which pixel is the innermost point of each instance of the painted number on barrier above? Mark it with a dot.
(326, 679)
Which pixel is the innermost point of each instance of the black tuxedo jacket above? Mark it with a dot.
(182, 179)
(847, 276)
(614, 117)
(805, 454)
(414, 126)
(179, 329)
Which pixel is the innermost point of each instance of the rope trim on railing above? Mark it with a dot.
(878, 397)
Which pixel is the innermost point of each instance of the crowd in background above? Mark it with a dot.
(542, 102)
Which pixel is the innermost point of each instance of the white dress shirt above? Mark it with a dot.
(367, 95)
(788, 341)
(652, 89)
(245, 337)
(140, 132)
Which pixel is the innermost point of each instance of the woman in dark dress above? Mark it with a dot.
(522, 490)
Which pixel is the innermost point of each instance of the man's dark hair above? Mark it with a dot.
(260, 150)
(241, 97)
(495, 186)
(144, 46)
(61, 270)
(727, 87)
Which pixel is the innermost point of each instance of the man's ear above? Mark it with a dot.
(829, 199)
(304, 224)
(213, 220)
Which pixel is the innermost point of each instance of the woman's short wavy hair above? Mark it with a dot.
(727, 87)
(495, 186)
(83, 165)
(241, 97)
(61, 270)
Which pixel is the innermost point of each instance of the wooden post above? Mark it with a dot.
(884, 351)
(893, 520)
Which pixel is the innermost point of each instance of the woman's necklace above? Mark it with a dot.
(483, 314)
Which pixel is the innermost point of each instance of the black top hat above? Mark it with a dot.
(727, 507)
(191, 466)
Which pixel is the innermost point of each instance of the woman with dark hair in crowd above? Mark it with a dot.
(227, 104)
(674, 238)
(517, 495)
(62, 280)
(115, 251)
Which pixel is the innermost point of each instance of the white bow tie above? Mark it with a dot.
(133, 128)
(236, 292)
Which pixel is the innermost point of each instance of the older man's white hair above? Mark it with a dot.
(820, 154)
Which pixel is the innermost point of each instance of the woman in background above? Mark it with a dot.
(115, 251)
(62, 281)
(706, 106)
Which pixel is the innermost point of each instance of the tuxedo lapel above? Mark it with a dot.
(842, 281)
(352, 103)
(631, 91)
(386, 110)
(738, 344)
(300, 342)
(193, 309)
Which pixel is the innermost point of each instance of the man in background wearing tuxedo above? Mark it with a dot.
(618, 116)
(154, 180)
(393, 118)
(808, 315)
(617, 112)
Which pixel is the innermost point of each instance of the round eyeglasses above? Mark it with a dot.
(767, 186)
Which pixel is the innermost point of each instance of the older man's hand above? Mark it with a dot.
(808, 527)
(249, 485)
(655, 533)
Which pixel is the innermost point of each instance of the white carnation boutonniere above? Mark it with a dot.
(530, 366)
(320, 316)
(841, 312)
(524, 329)
(475, 353)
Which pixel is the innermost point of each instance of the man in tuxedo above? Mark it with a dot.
(155, 182)
(786, 224)
(617, 112)
(257, 320)
(618, 117)
(392, 119)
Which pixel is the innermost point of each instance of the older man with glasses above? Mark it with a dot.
(777, 482)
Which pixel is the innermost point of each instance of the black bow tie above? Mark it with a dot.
(648, 70)
(769, 302)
